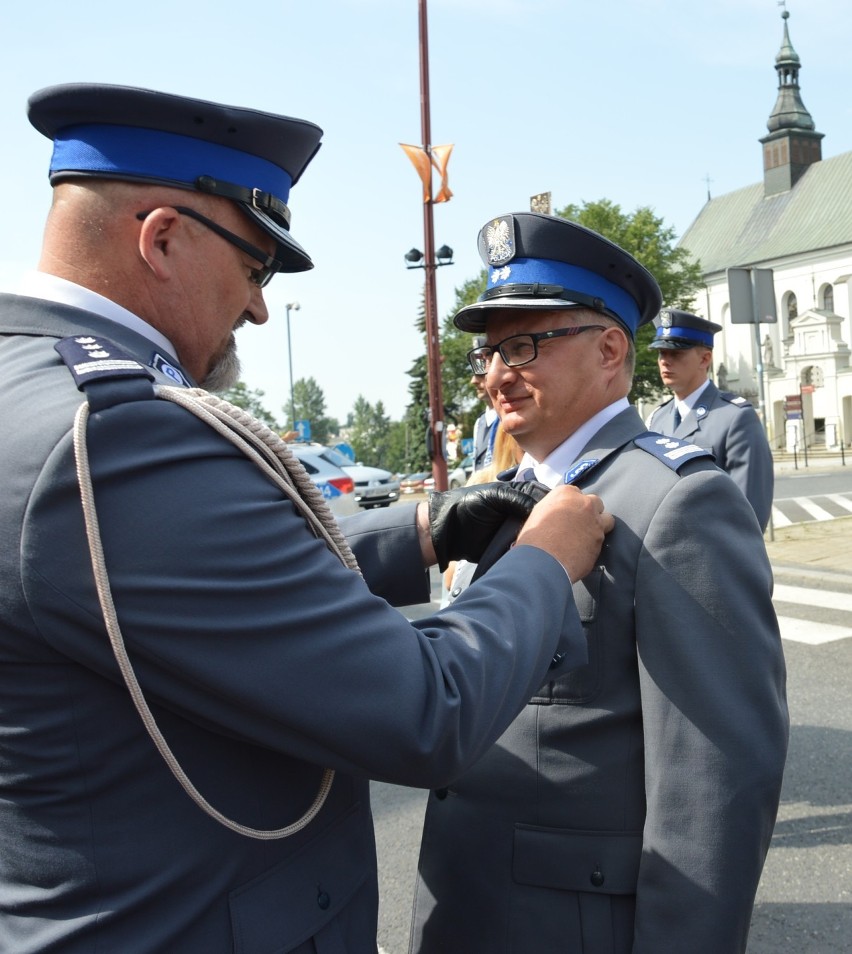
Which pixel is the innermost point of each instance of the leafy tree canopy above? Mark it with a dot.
(651, 242)
(309, 401)
(251, 401)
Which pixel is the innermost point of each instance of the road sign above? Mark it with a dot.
(304, 429)
(751, 292)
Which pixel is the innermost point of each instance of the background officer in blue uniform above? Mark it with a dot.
(264, 663)
(485, 426)
(629, 807)
(720, 421)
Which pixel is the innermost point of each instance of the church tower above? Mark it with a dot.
(792, 144)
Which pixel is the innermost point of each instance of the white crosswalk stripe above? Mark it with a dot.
(809, 505)
(789, 510)
(841, 501)
(813, 631)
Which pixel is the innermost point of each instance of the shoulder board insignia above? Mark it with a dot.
(736, 399)
(671, 451)
(91, 358)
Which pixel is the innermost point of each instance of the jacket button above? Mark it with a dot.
(323, 899)
(597, 877)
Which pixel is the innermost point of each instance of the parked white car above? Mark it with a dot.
(374, 487)
(336, 485)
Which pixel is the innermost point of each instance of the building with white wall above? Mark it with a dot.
(798, 223)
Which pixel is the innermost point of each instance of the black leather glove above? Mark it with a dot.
(463, 522)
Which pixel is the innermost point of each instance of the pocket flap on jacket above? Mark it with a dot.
(600, 862)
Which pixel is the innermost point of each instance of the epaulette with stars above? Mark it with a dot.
(672, 452)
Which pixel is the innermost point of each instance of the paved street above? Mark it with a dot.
(804, 903)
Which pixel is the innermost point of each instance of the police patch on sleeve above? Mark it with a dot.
(162, 364)
(92, 358)
(672, 452)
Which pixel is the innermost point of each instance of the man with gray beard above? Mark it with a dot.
(200, 670)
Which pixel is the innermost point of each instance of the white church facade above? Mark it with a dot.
(797, 223)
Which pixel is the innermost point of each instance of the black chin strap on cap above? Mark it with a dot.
(256, 198)
(540, 290)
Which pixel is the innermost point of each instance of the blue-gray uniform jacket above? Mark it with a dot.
(727, 424)
(263, 659)
(629, 807)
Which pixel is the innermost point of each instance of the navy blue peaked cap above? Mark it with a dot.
(678, 329)
(121, 132)
(540, 261)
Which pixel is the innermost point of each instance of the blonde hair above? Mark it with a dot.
(506, 454)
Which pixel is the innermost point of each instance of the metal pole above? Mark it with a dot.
(295, 306)
(433, 349)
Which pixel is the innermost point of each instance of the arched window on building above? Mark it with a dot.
(792, 307)
(826, 297)
(789, 311)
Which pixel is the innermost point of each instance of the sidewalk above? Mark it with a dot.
(817, 544)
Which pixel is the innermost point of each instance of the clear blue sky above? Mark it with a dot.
(636, 101)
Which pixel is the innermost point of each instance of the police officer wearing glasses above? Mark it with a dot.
(196, 681)
(628, 809)
(724, 423)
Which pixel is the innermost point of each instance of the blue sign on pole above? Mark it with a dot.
(304, 430)
(467, 446)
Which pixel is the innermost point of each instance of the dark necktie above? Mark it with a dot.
(526, 474)
(676, 418)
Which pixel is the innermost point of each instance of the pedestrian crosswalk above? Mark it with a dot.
(790, 510)
(813, 615)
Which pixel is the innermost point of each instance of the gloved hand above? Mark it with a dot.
(463, 522)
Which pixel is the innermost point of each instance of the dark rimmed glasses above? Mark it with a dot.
(518, 350)
(260, 276)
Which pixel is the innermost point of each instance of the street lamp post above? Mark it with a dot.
(433, 350)
(294, 305)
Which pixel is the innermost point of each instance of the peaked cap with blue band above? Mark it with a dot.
(121, 132)
(541, 261)
(677, 330)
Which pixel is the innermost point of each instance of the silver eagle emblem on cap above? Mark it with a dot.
(500, 240)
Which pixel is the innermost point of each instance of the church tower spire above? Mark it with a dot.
(793, 143)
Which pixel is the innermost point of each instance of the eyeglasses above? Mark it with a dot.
(260, 276)
(518, 350)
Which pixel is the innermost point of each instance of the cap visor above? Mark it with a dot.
(674, 344)
(473, 317)
(294, 257)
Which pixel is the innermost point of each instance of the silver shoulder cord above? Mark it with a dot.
(266, 449)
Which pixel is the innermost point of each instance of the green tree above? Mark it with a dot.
(369, 432)
(460, 403)
(251, 401)
(652, 242)
(309, 402)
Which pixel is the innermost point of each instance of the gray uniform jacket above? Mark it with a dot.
(629, 807)
(263, 659)
(727, 424)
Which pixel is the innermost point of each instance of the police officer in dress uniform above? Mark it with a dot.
(485, 426)
(720, 421)
(220, 804)
(629, 807)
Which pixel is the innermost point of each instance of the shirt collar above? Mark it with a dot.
(689, 402)
(553, 468)
(52, 288)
